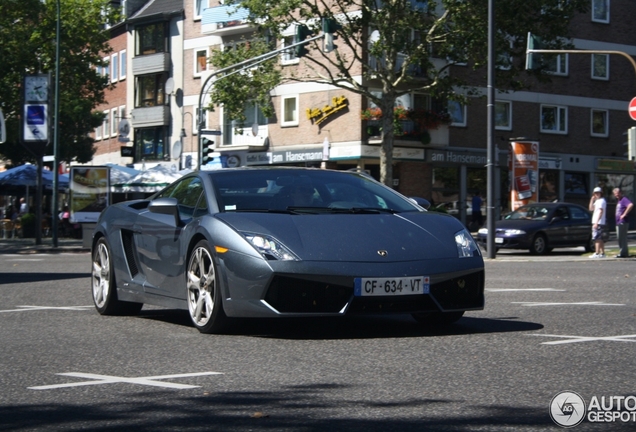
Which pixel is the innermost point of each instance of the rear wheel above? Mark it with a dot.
(104, 286)
(203, 293)
(539, 245)
(437, 318)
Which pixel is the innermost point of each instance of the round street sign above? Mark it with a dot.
(632, 109)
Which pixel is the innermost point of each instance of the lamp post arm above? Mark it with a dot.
(621, 53)
(233, 69)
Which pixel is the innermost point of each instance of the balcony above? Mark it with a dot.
(376, 63)
(224, 20)
(151, 116)
(234, 139)
(410, 133)
(152, 63)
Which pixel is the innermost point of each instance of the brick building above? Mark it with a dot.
(579, 118)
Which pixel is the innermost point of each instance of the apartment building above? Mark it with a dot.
(579, 118)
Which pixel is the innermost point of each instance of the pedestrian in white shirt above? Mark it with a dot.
(598, 205)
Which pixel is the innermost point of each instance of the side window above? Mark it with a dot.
(578, 214)
(187, 194)
(202, 207)
(562, 212)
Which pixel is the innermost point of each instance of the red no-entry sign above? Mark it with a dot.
(632, 109)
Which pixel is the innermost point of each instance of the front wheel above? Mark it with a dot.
(437, 318)
(104, 286)
(203, 293)
(539, 245)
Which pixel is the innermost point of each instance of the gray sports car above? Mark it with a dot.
(283, 242)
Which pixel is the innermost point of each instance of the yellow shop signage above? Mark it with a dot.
(319, 115)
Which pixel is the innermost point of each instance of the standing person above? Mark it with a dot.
(599, 206)
(24, 207)
(477, 217)
(623, 207)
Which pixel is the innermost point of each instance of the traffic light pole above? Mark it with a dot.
(230, 70)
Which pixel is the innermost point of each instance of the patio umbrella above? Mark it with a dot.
(26, 175)
(120, 174)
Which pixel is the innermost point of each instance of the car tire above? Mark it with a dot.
(437, 318)
(539, 245)
(203, 293)
(104, 286)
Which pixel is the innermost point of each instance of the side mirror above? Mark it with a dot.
(422, 202)
(555, 219)
(167, 206)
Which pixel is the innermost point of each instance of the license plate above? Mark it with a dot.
(498, 240)
(364, 287)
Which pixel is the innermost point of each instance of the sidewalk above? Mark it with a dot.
(28, 246)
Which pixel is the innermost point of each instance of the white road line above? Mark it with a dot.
(108, 379)
(522, 289)
(567, 304)
(34, 308)
(575, 339)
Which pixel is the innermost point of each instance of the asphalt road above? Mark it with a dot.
(548, 327)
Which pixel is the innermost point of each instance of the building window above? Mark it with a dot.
(98, 133)
(600, 66)
(122, 64)
(289, 56)
(199, 7)
(600, 123)
(150, 90)
(253, 115)
(106, 124)
(289, 110)
(200, 62)
(149, 143)
(206, 120)
(106, 68)
(114, 67)
(151, 39)
(503, 115)
(601, 11)
(554, 119)
(457, 112)
(113, 122)
(556, 64)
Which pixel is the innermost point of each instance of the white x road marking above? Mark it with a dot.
(107, 379)
(575, 339)
(568, 304)
(32, 308)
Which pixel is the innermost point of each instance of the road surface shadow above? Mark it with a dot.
(15, 278)
(352, 327)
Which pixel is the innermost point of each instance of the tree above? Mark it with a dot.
(414, 43)
(27, 31)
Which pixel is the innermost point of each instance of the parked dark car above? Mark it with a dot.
(541, 227)
(276, 242)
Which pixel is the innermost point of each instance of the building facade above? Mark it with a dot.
(579, 118)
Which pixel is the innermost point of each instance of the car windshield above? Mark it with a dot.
(532, 212)
(305, 191)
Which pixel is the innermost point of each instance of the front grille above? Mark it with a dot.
(292, 295)
(464, 292)
(398, 304)
(129, 250)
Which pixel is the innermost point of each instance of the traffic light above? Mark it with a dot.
(302, 31)
(533, 61)
(207, 147)
(329, 27)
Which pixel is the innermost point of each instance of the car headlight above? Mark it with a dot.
(466, 246)
(270, 248)
(514, 232)
(483, 231)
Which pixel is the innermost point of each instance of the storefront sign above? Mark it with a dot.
(523, 165)
(319, 115)
(373, 152)
(281, 157)
(458, 157)
(615, 165)
(549, 163)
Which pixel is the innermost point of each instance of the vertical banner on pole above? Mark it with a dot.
(523, 165)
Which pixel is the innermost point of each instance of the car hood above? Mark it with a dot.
(355, 237)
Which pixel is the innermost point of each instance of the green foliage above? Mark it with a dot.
(398, 46)
(27, 32)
